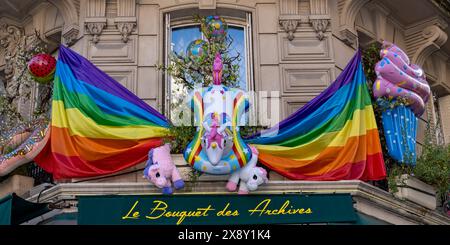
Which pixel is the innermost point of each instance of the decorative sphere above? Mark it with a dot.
(196, 50)
(216, 27)
(42, 67)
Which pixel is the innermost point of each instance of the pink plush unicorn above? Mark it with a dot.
(161, 171)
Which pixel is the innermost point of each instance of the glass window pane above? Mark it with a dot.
(182, 36)
(236, 33)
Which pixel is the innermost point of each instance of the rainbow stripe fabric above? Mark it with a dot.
(333, 137)
(98, 126)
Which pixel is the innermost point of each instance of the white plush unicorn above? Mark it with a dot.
(250, 176)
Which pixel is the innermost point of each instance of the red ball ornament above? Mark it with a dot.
(42, 67)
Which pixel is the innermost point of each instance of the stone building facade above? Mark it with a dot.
(293, 48)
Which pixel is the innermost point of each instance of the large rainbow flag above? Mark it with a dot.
(333, 137)
(98, 126)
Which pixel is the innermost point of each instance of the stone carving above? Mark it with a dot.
(125, 29)
(320, 26)
(10, 37)
(348, 10)
(70, 35)
(69, 9)
(290, 26)
(434, 38)
(95, 29)
(18, 87)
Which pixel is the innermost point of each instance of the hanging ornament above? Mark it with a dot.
(196, 50)
(42, 68)
(216, 28)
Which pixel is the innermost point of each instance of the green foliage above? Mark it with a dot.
(394, 172)
(182, 135)
(250, 130)
(193, 175)
(188, 72)
(433, 165)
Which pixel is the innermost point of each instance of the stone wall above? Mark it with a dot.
(298, 46)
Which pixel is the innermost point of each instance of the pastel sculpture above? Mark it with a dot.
(397, 78)
(217, 147)
(249, 177)
(161, 171)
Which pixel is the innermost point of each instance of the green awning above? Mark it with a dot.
(15, 210)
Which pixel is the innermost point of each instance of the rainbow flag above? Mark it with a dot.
(98, 126)
(333, 137)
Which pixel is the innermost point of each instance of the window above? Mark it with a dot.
(181, 30)
(440, 139)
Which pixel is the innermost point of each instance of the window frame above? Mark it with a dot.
(185, 21)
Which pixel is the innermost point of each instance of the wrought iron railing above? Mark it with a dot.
(40, 175)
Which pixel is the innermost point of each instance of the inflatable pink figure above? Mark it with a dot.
(217, 69)
(214, 135)
(397, 78)
(161, 171)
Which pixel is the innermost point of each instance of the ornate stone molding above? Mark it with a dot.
(70, 34)
(69, 12)
(425, 38)
(348, 36)
(319, 18)
(95, 20)
(126, 18)
(348, 10)
(320, 27)
(293, 13)
(435, 37)
(289, 26)
(125, 29)
(95, 29)
(10, 38)
(16, 49)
